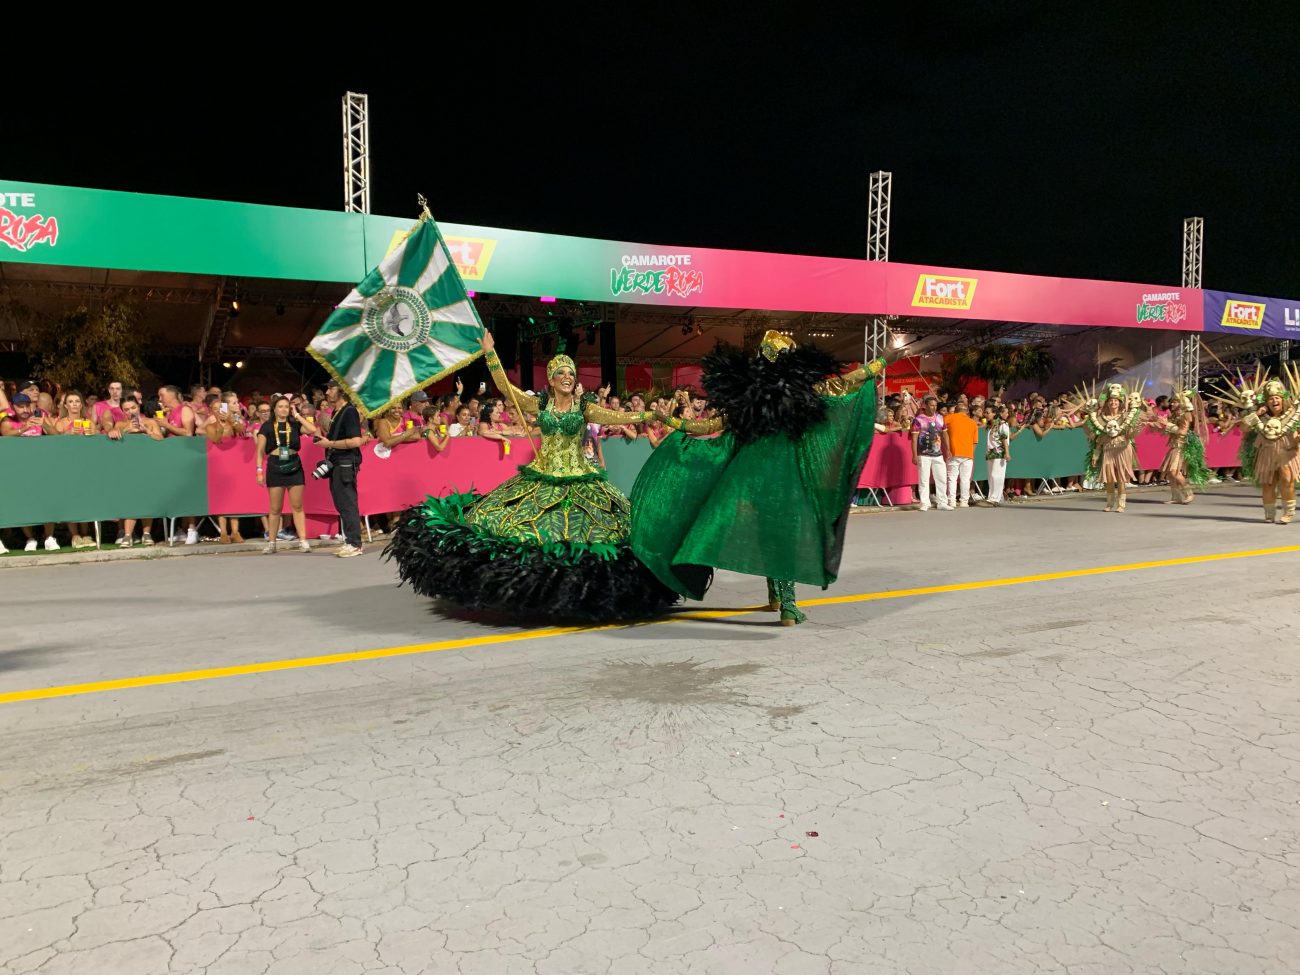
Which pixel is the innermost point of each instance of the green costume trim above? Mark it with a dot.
(1248, 452)
(453, 513)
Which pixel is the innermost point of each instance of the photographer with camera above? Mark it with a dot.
(280, 468)
(342, 444)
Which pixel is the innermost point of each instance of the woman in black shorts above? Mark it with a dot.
(280, 468)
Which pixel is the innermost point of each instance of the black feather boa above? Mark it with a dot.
(760, 397)
(440, 556)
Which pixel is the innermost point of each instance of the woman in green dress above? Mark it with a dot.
(770, 496)
(551, 542)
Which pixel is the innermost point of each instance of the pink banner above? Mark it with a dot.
(1220, 450)
(406, 477)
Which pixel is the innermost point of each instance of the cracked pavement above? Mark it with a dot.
(1092, 776)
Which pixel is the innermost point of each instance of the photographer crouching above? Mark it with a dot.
(342, 443)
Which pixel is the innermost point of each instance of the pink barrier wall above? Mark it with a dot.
(1220, 450)
(406, 477)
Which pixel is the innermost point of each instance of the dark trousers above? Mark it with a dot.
(343, 489)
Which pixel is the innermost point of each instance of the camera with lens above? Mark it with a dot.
(322, 469)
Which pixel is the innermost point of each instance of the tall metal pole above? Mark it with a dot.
(1189, 349)
(356, 153)
(882, 188)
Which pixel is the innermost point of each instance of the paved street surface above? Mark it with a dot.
(1091, 775)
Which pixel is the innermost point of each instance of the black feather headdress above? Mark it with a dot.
(760, 396)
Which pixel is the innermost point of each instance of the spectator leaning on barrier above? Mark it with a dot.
(110, 408)
(135, 423)
(176, 419)
(21, 421)
(343, 454)
(76, 422)
(927, 454)
(462, 427)
(960, 433)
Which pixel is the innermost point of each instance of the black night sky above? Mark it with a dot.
(1068, 143)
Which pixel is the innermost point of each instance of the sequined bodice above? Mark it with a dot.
(561, 452)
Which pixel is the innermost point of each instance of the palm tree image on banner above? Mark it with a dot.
(407, 324)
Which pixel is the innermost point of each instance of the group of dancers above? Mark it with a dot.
(763, 488)
(1270, 446)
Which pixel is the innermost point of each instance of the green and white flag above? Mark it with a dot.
(406, 325)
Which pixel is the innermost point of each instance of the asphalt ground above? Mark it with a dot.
(1038, 738)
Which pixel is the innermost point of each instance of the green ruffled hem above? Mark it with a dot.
(530, 474)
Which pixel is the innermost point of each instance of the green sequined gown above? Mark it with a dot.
(550, 543)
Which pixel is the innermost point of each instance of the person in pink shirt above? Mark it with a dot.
(111, 407)
(23, 421)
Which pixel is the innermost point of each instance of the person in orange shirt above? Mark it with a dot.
(959, 435)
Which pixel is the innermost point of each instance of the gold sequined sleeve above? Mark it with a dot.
(843, 385)
(513, 394)
(696, 427)
(614, 418)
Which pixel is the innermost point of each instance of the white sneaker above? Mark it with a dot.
(338, 538)
(304, 545)
(348, 551)
(192, 537)
(51, 544)
(147, 540)
(963, 504)
(3, 550)
(269, 548)
(30, 546)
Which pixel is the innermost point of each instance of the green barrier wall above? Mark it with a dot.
(97, 479)
(94, 479)
(624, 460)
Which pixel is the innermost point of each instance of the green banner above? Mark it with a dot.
(624, 460)
(96, 479)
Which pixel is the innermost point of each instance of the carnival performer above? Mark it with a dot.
(1184, 463)
(770, 496)
(551, 542)
(1111, 421)
(1270, 444)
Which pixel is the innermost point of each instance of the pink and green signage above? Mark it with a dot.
(44, 224)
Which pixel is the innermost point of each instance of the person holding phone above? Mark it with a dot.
(280, 468)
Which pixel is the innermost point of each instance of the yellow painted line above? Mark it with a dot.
(298, 663)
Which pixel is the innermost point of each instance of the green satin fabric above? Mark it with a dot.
(775, 508)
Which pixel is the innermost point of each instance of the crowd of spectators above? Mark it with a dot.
(943, 451)
(1006, 420)
(32, 408)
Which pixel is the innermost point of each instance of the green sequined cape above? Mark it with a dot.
(776, 507)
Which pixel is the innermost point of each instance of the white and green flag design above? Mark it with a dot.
(406, 325)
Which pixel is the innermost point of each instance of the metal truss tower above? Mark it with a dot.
(882, 187)
(1189, 349)
(356, 153)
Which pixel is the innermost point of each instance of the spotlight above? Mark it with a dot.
(279, 309)
(234, 305)
(471, 294)
(898, 342)
(239, 364)
(225, 365)
(547, 298)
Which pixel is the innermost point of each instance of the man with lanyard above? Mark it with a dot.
(342, 445)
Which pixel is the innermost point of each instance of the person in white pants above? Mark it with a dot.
(960, 434)
(999, 453)
(927, 454)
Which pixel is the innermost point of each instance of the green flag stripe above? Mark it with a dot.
(371, 284)
(349, 352)
(447, 290)
(424, 363)
(464, 337)
(377, 388)
(418, 253)
(343, 318)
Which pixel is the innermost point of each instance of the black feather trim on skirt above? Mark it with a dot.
(441, 556)
(760, 397)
